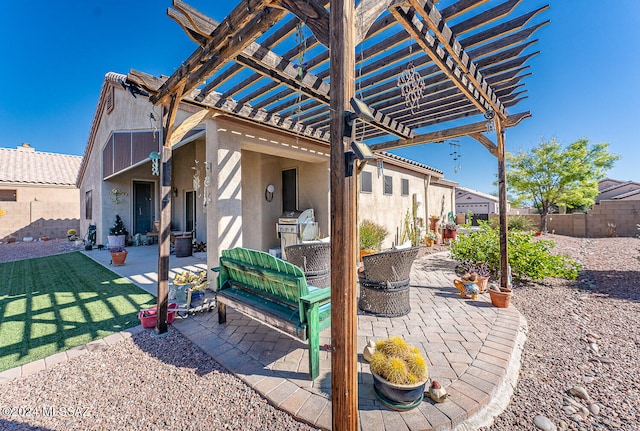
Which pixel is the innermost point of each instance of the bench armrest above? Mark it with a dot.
(215, 269)
(319, 295)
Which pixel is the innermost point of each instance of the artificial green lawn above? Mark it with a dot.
(50, 304)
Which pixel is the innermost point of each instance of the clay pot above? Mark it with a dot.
(482, 283)
(118, 257)
(501, 299)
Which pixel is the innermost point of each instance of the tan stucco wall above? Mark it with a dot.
(390, 210)
(38, 211)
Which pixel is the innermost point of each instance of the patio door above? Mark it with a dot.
(143, 204)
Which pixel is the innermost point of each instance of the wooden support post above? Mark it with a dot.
(502, 202)
(165, 217)
(163, 243)
(344, 371)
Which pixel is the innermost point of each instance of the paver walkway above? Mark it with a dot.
(472, 348)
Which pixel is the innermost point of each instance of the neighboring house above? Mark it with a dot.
(477, 202)
(618, 190)
(38, 195)
(222, 174)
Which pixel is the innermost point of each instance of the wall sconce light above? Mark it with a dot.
(268, 192)
(359, 151)
(175, 192)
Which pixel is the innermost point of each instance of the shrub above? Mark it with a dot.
(371, 235)
(528, 258)
(520, 223)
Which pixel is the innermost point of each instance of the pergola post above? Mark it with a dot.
(502, 202)
(163, 241)
(344, 372)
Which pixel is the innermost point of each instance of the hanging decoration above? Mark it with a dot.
(489, 115)
(454, 147)
(155, 163)
(207, 182)
(196, 178)
(411, 86)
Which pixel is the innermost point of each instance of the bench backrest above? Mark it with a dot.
(264, 274)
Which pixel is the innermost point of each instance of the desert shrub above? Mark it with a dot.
(520, 223)
(371, 235)
(529, 258)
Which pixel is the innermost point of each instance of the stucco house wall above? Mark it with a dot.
(39, 196)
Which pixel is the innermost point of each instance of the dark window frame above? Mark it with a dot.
(404, 186)
(88, 205)
(366, 179)
(387, 179)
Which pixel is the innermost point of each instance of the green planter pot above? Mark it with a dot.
(398, 397)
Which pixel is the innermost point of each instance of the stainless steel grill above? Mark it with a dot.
(293, 227)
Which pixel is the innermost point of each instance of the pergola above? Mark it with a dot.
(414, 72)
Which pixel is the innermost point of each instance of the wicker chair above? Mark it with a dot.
(314, 259)
(384, 284)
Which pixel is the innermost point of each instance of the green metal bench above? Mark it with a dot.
(275, 292)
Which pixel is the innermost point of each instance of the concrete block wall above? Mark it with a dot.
(609, 218)
(37, 219)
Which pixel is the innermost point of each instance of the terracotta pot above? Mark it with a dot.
(118, 257)
(366, 252)
(449, 234)
(501, 299)
(482, 283)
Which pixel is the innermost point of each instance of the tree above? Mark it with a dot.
(550, 175)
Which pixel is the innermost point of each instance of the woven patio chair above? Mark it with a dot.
(384, 284)
(315, 260)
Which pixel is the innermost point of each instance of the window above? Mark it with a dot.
(365, 182)
(388, 185)
(8, 195)
(88, 205)
(290, 190)
(405, 187)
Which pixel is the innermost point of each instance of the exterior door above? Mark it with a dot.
(143, 207)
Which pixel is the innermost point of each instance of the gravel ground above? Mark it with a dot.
(584, 337)
(27, 250)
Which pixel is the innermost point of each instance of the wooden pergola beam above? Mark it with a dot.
(443, 135)
(241, 27)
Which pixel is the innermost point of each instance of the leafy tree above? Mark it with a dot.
(550, 175)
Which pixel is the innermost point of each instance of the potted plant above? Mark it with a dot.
(118, 255)
(371, 236)
(117, 233)
(399, 373)
(189, 283)
(449, 231)
(480, 270)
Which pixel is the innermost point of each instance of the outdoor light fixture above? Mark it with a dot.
(268, 192)
(361, 111)
(359, 151)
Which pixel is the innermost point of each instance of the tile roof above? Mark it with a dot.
(25, 165)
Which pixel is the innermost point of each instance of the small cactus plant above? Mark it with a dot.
(399, 362)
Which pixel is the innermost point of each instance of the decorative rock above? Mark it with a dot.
(593, 335)
(569, 410)
(577, 417)
(606, 360)
(587, 379)
(579, 392)
(572, 402)
(368, 351)
(563, 426)
(594, 347)
(594, 409)
(544, 423)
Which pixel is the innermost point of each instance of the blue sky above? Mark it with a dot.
(55, 55)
